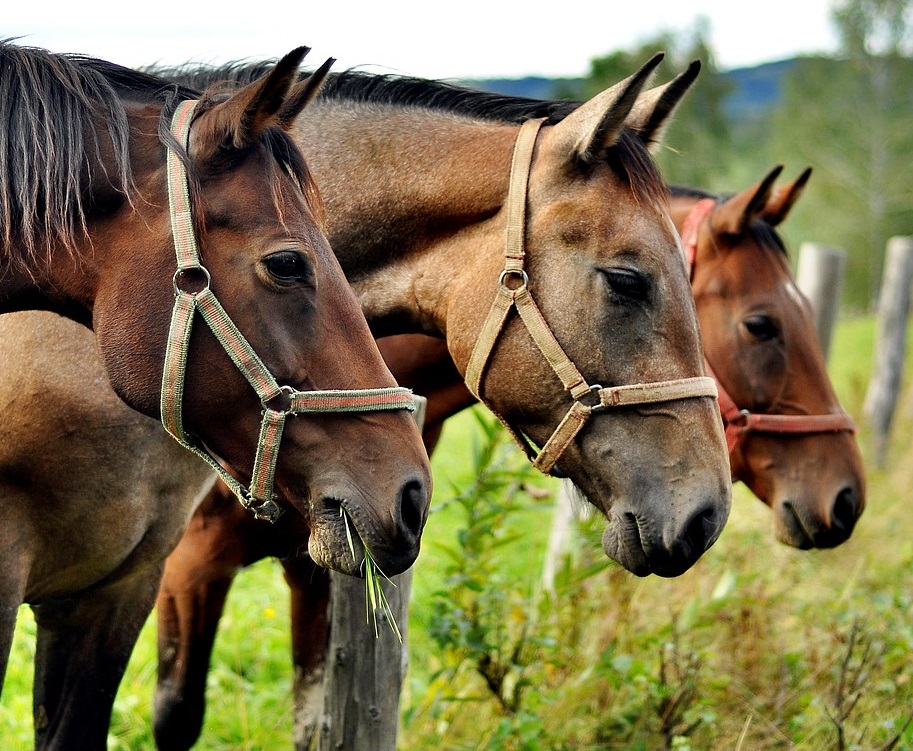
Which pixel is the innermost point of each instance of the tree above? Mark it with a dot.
(850, 118)
(698, 145)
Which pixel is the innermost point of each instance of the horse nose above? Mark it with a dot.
(843, 515)
(845, 510)
(688, 541)
(414, 498)
(702, 530)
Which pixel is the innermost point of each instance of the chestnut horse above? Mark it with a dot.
(109, 179)
(759, 341)
(423, 249)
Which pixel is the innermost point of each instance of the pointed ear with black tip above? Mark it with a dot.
(596, 124)
(303, 93)
(782, 200)
(733, 216)
(652, 112)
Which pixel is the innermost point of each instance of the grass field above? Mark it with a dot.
(758, 646)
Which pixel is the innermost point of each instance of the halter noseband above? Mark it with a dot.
(513, 292)
(278, 401)
(739, 422)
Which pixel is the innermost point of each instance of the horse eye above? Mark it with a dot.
(627, 284)
(761, 328)
(288, 266)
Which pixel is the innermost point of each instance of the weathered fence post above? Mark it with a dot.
(819, 275)
(561, 537)
(364, 672)
(890, 342)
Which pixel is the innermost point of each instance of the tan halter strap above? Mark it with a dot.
(513, 292)
(278, 401)
(738, 423)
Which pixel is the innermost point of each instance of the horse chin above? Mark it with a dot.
(335, 544)
(790, 529)
(325, 551)
(623, 542)
(627, 552)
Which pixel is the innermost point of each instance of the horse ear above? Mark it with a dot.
(597, 124)
(733, 216)
(653, 110)
(303, 93)
(782, 200)
(241, 119)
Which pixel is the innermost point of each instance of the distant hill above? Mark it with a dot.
(755, 90)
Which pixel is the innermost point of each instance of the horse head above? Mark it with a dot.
(604, 371)
(790, 441)
(287, 338)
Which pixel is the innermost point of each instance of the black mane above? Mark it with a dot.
(628, 157)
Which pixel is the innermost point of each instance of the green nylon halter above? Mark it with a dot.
(259, 498)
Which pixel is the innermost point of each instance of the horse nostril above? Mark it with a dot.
(843, 514)
(702, 530)
(413, 501)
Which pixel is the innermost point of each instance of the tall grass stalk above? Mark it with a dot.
(375, 597)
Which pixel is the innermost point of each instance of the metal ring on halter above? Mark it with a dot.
(513, 272)
(286, 407)
(180, 273)
(598, 406)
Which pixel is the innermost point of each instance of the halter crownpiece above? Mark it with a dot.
(513, 292)
(278, 401)
(738, 422)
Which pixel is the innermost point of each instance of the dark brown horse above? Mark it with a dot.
(424, 248)
(760, 342)
(115, 188)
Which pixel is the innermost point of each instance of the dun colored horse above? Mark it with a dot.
(115, 187)
(789, 439)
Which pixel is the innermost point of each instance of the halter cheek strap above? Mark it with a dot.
(739, 422)
(278, 401)
(513, 293)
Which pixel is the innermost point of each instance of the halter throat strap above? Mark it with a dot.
(513, 293)
(278, 401)
(738, 423)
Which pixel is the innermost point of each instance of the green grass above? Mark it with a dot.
(751, 640)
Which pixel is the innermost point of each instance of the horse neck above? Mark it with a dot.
(412, 198)
(59, 270)
(62, 281)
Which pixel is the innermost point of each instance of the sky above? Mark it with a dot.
(459, 39)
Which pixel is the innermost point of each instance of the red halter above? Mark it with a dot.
(739, 422)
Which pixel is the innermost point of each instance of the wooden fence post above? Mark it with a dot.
(569, 512)
(365, 673)
(890, 342)
(819, 274)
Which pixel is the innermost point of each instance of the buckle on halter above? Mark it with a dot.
(592, 391)
(281, 402)
(741, 419)
(524, 279)
(192, 275)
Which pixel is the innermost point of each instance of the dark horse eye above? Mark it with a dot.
(627, 284)
(761, 328)
(288, 266)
